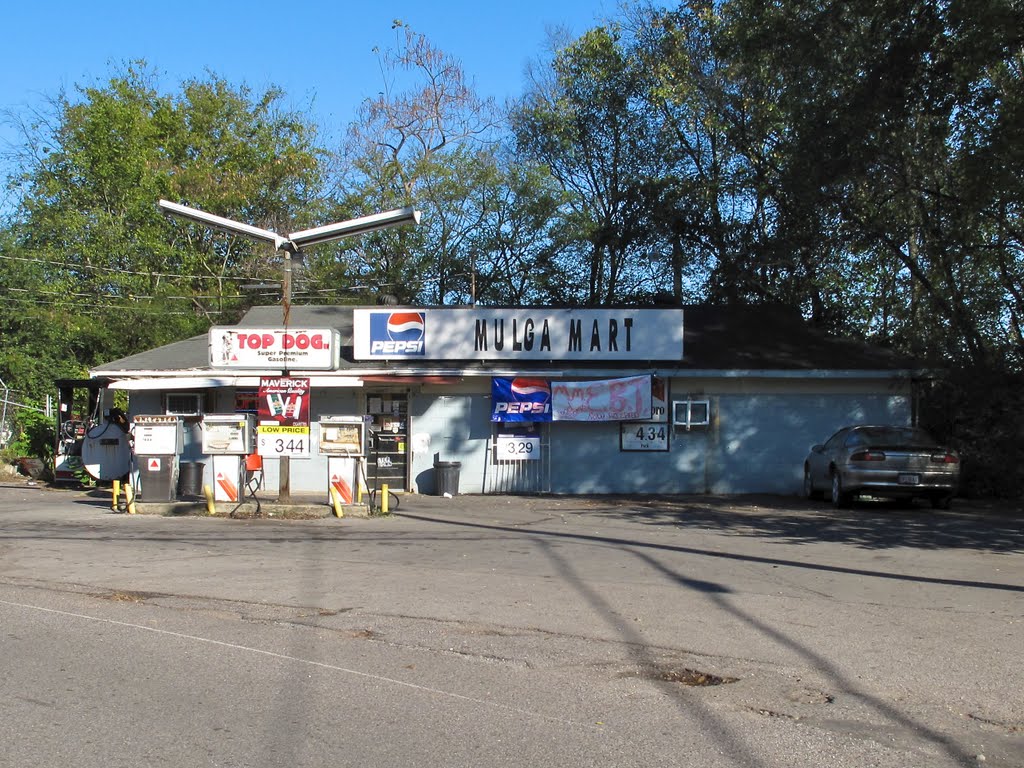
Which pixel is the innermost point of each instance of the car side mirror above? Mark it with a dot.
(817, 448)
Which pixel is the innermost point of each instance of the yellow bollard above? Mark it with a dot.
(129, 497)
(336, 501)
(211, 507)
(115, 493)
(384, 499)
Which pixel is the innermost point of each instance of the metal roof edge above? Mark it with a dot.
(478, 372)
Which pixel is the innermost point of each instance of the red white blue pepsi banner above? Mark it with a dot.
(533, 399)
(518, 334)
(520, 399)
(310, 349)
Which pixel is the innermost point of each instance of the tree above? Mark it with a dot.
(590, 125)
(894, 113)
(424, 140)
(105, 274)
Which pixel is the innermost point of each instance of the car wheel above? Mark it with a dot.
(942, 502)
(840, 498)
(809, 490)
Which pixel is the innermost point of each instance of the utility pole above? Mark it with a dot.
(284, 463)
(291, 246)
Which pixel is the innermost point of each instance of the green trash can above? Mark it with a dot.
(446, 477)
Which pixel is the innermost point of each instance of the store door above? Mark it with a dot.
(387, 460)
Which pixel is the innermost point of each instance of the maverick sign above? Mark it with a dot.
(518, 334)
(301, 349)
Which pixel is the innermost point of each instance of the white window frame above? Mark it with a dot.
(683, 413)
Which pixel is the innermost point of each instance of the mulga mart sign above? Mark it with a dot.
(518, 334)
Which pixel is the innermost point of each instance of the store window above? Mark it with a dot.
(691, 413)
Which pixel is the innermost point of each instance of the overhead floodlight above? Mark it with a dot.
(352, 227)
(226, 225)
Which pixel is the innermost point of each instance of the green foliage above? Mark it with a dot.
(92, 270)
(35, 435)
(590, 124)
(981, 413)
(428, 139)
(892, 116)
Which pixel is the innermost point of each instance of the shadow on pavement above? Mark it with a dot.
(867, 524)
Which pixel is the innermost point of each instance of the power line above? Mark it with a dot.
(82, 306)
(117, 270)
(137, 297)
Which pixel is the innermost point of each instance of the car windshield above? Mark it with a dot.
(893, 436)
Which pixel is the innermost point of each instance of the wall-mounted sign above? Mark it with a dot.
(622, 399)
(659, 400)
(315, 349)
(643, 436)
(517, 448)
(283, 419)
(520, 399)
(283, 441)
(518, 334)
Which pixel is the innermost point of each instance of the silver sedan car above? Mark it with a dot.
(884, 461)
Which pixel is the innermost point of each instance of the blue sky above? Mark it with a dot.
(318, 52)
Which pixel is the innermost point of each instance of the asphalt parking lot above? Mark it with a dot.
(752, 631)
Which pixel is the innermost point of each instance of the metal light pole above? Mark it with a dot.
(291, 245)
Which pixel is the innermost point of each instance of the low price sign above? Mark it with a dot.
(283, 417)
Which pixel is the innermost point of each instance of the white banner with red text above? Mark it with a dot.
(624, 399)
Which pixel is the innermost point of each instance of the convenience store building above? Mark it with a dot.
(696, 399)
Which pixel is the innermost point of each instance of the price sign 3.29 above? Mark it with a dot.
(517, 448)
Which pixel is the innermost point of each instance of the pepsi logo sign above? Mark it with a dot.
(527, 396)
(397, 333)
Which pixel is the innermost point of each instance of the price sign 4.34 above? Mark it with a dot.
(643, 436)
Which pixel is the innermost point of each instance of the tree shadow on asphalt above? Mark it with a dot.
(867, 524)
(753, 516)
(843, 683)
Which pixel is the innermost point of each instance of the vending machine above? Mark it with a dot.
(227, 438)
(342, 440)
(158, 441)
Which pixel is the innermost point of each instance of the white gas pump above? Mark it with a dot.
(342, 440)
(227, 437)
(158, 442)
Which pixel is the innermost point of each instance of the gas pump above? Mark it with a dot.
(159, 440)
(81, 403)
(227, 437)
(342, 440)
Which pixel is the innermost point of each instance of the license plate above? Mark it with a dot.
(908, 479)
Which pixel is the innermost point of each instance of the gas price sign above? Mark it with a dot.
(643, 436)
(283, 417)
(283, 441)
(517, 448)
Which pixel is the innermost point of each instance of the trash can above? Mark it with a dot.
(446, 477)
(190, 478)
